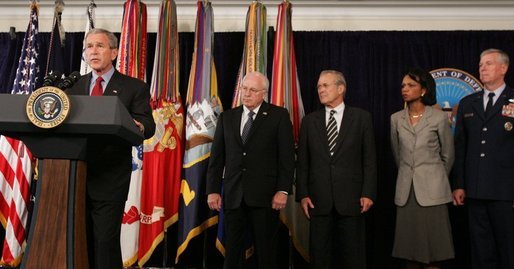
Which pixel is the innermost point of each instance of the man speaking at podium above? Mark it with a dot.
(109, 161)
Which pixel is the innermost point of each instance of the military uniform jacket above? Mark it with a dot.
(484, 149)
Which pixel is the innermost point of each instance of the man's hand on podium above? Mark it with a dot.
(140, 126)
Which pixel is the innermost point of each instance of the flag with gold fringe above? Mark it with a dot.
(285, 92)
(133, 40)
(255, 52)
(203, 109)
(15, 158)
(163, 153)
(132, 62)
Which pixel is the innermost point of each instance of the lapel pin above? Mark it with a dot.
(508, 126)
(264, 113)
(115, 91)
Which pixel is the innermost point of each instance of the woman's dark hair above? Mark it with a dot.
(427, 82)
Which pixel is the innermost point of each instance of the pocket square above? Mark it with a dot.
(468, 115)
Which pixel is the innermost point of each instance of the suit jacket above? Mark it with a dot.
(342, 179)
(109, 160)
(256, 170)
(424, 155)
(484, 149)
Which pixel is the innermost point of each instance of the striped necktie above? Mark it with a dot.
(247, 127)
(332, 132)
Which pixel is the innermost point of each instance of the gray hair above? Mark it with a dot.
(113, 40)
(504, 57)
(339, 76)
(260, 75)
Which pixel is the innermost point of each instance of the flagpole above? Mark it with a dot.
(204, 254)
(165, 249)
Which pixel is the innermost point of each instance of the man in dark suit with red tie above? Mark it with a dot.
(253, 155)
(109, 161)
(483, 172)
(336, 176)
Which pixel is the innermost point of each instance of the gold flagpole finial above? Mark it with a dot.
(34, 3)
(59, 6)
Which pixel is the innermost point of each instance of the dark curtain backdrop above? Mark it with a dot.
(373, 63)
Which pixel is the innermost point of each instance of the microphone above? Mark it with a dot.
(52, 79)
(69, 81)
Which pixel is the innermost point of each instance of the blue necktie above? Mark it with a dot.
(247, 127)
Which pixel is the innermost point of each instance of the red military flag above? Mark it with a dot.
(163, 153)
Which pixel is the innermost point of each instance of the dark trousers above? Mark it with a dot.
(103, 233)
(491, 226)
(337, 241)
(263, 223)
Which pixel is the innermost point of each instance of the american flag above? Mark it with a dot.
(28, 69)
(15, 159)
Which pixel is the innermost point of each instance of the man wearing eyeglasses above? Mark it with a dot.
(336, 176)
(253, 155)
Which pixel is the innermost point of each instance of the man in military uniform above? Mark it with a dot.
(484, 164)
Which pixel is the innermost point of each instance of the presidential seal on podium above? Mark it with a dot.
(47, 107)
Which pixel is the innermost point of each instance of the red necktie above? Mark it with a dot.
(97, 89)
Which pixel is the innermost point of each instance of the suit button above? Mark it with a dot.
(244, 169)
(483, 141)
(244, 153)
(484, 129)
(482, 155)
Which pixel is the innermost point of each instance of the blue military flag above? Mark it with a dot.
(203, 109)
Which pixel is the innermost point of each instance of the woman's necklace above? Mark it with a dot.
(416, 116)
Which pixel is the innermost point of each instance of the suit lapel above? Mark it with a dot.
(405, 121)
(236, 122)
(259, 119)
(321, 128)
(82, 85)
(424, 120)
(502, 100)
(113, 87)
(478, 105)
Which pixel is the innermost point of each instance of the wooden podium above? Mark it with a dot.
(57, 235)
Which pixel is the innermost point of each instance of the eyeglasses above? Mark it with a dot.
(251, 90)
(325, 85)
